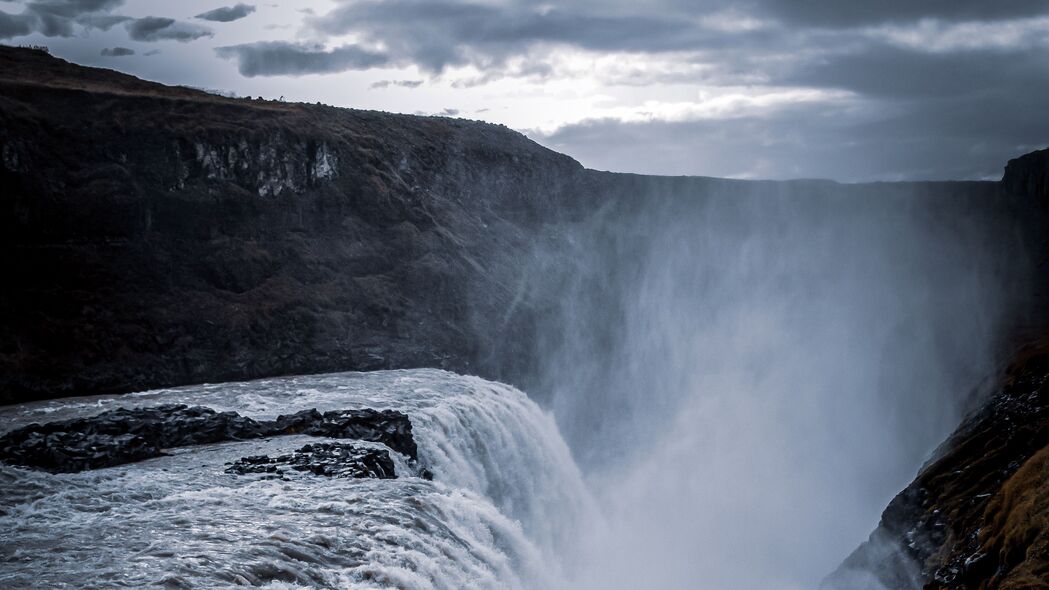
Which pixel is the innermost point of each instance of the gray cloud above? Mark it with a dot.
(971, 137)
(117, 52)
(72, 8)
(227, 14)
(885, 71)
(54, 18)
(835, 13)
(155, 28)
(916, 112)
(400, 83)
(102, 22)
(437, 33)
(280, 58)
(15, 25)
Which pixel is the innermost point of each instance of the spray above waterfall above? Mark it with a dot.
(749, 372)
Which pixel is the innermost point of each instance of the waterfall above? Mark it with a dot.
(498, 513)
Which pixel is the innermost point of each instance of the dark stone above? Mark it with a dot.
(120, 436)
(391, 428)
(1029, 175)
(947, 530)
(327, 459)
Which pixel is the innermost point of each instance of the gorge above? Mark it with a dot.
(724, 382)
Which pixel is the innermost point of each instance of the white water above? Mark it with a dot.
(505, 493)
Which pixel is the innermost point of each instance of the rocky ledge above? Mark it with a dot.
(121, 436)
(977, 516)
(327, 459)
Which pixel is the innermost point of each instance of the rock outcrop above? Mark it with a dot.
(327, 459)
(121, 436)
(1029, 174)
(977, 516)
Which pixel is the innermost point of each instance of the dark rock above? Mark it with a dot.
(1029, 175)
(391, 428)
(977, 516)
(157, 235)
(124, 435)
(327, 459)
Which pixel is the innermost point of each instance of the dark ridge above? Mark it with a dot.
(121, 436)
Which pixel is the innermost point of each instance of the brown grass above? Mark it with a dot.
(1016, 527)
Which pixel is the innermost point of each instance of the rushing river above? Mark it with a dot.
(504, 498)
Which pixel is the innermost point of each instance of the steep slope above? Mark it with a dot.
(977, 516)
(157, 236)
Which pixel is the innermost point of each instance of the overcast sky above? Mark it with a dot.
(844, 89)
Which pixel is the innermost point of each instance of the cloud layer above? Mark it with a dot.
(776, 88)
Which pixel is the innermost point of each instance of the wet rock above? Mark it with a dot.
(977, 516)
(327, 459)
(121, 436)
(391, 428)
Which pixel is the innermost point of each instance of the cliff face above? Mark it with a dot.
(157, 236)
(1029, 174)
(977, 514)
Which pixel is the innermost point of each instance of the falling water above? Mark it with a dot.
(748, 373)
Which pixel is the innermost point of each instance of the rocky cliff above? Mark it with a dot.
(977, 516)
(156, 236)
(1029, 174)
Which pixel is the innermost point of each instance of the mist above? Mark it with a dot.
(747, 373)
